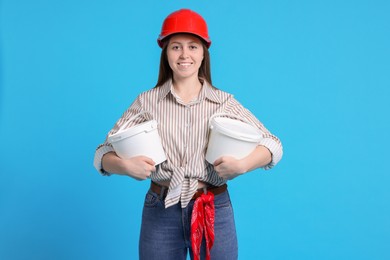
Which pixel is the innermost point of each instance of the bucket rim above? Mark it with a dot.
(254, 137)
(132, 131)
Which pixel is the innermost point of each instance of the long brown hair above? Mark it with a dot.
(166, 73)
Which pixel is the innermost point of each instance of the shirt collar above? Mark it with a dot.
(208, 92)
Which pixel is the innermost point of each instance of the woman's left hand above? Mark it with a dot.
(228, 167)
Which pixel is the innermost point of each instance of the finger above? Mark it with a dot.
(218, 161)
(220, 172)
(222, 175)
(149, 161)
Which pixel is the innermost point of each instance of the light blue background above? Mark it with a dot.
(317, 73)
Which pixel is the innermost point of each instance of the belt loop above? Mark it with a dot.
(205, 189)
(162, 192)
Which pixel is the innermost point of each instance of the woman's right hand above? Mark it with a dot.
(138, 167)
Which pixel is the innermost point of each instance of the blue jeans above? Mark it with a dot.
(165, 233)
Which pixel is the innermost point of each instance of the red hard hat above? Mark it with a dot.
(184, 21)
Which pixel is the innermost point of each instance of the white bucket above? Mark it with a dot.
(141, 139)
(231, 137)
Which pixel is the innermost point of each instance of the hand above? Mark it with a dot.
(139, 167)
(228, 167)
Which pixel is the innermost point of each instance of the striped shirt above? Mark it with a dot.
(183, 128)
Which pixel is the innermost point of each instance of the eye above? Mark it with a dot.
(193, 47)
(175, 47)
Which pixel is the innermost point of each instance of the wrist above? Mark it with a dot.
(112, 163)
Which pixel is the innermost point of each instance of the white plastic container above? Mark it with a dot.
(231, 137)
(141, 139)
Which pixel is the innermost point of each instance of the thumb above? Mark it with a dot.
(149, 161)
(218, 161)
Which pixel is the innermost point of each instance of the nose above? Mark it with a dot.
(184, 53)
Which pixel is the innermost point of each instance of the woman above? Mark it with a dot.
(187, 206)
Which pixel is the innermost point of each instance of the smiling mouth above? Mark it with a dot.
(184, 64)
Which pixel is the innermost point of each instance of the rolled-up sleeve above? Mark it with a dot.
(275, 147)
(101, 150)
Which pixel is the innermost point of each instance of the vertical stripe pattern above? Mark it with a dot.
(184, 131)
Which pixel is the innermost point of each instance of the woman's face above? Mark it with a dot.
(185, 55)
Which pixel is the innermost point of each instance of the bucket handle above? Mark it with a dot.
(124, 126)
(232, 116)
